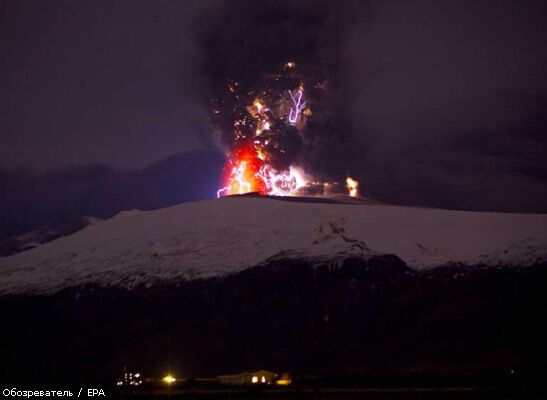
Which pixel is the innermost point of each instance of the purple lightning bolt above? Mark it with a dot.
(295, 112)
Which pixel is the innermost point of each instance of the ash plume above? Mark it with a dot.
(273, 68)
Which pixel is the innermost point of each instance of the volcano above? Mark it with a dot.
(219, 237)
(311, 285)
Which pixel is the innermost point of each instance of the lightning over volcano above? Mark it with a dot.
(275, 101)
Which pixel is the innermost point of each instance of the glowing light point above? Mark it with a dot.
(169, 379)
(258, 105)
(353, 187)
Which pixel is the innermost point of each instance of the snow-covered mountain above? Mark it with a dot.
(218, 237)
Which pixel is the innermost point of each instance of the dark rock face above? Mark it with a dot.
(47, 233)
(375, 316)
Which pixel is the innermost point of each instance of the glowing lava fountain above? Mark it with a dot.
(242, 173)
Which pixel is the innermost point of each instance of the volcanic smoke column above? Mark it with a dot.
(278, 120)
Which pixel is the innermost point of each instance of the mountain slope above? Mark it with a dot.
(369, 317)
(218, 237)
(34, 238)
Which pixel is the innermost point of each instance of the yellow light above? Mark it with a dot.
(254, 379)
(263, 379)
(353, 187)
(169, 379)
(261, 154)
(284, 380)
(258, 105)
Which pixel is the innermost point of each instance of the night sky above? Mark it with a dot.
(105, 104)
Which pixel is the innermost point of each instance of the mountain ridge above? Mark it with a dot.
(218, 237)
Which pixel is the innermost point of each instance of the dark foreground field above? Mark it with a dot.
(359, 319)
(381, 393)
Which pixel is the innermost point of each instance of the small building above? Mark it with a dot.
(262, 377)
(129, 379)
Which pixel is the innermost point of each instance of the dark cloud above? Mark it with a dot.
(32, 199)
(449, 103)
(99, 81)
(437, 103)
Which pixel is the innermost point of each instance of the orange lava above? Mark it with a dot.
(240, 173)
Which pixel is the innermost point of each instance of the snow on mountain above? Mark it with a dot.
(217, 237)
